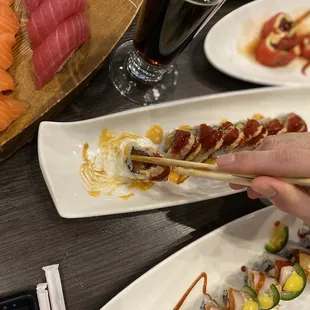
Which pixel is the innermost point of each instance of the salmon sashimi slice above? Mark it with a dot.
(31, 5)
(45, 19)
(6, 81)
(7, 42)
(50, 56)
(10, 110)
(8, 20)
(7, 2)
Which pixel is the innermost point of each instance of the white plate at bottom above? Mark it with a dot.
(220, 254)
(60, 148)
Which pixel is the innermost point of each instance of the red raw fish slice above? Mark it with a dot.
(6, 81)
(58, 46)
(8, 20)
(31, 5)
(10, 110)
(7, 42)
(48, 16)
(7, 2)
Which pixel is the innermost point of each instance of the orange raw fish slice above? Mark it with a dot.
(8, 20)
(6, 81)
(10, 110)
(7, 42)
(7, 2)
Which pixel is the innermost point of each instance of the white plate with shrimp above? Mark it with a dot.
(220, 255)
(61, 145)
(232, 44)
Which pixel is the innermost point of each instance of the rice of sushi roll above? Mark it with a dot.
(117, 162)
(209, 303)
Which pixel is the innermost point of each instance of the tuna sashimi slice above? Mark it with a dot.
(10, 110)
(7, 42)
(8, 20)
(49, 57)
(31, 5)
(45, 19)
(6, 81)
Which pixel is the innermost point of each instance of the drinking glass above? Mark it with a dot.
(143, 69)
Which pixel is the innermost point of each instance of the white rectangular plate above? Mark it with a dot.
(220, 254)
(226, 40)
(60, 147)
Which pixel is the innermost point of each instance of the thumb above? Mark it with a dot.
(288, 198)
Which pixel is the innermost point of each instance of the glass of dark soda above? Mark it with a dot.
(143, 69)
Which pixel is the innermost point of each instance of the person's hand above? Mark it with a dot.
(286, 155)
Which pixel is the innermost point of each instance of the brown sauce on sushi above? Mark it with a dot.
(155, 134)
(203, 276)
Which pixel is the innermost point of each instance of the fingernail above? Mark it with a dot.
(226, 160)
(267, 191)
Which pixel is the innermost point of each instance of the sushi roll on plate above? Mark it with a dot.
(117, 162)
(180, 144)
(272, 264)
(238, 300)
(301, 256)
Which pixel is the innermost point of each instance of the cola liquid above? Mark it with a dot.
(165, 27)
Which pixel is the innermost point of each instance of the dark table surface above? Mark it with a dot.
(100, 256)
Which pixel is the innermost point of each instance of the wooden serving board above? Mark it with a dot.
(109, 19)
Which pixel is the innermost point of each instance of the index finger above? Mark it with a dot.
(295, 140)
(287, 162)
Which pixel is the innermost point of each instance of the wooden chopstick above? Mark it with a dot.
(174, 163)
(216, 176)
(212, 172)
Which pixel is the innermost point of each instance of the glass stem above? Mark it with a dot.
(143, 71)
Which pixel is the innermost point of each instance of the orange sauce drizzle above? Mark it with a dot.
(126, 197)
(96, 180)
(185, 128)
(257, 116)
(155, 134)
(176, 178)
(141, 186)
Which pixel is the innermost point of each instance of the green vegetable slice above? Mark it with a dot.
(250, 291)
(278, 239)
(275, 297)
(289, 295)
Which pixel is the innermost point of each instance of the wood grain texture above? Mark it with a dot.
(108, 22)
(100, 256)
